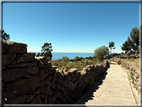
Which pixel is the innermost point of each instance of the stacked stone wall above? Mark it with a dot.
(27, 79)
(133, 75)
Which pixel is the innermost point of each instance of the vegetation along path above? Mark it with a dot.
(113, 88)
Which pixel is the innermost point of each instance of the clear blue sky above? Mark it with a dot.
(70, 27)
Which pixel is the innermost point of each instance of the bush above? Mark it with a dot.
(128, 53)
(76, 58)
(119, 62)
(101, 52)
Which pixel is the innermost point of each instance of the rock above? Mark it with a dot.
(18, 99)
(41, 71)
(21, 86)
(39, 101)
(27, 64)
(3, 86)
(32, 70)
(40, 64)
(42, 95)
(7, 59)
(48, 91)
(60, 79)
(43, 76)
(25, 57)
(3, 67)
(53, 99)
(30, 98)
(49, 83)
(45, 99)
(69, 85)
(4, 94)
(14, 47)
(85, 70)
(36, 99)
(13, 74)
(27, 75)
(53, 86)
(73, 70)
(46, 80)
(54, 77)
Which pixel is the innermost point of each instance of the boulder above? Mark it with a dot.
(26, 57)
(14, 47)
(73, 70)
(7, 59)
(48, 91)
(41, 71)
(43, 76)
(32, 70)
(22, 86)
(30, 98)
(36, 99)
(13, 74)
(27, 64)
(69, 85)
(18, 99)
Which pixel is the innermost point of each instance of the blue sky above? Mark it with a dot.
(70, 27)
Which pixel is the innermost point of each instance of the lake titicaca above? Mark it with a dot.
(57, 55)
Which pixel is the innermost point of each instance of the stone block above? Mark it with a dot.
(13, 74)
(8, 58)
(26, 57)
(14, 47)
(22, 86)
(27, 64)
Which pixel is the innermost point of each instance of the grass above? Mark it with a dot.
(62, 64)
(119, 62)
(135, 61)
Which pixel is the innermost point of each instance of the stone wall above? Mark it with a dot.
(27, 79)
(133, 75)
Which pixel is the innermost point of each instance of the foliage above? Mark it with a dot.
(126, 47)
(119, 62)
(132, 42)
(128, 53)
(134, 34)
(100, 52)
(111, 46)
(5, 36)
(38, 54)
(65, 59)
(47, 48)
(77, 58)
(62, 64)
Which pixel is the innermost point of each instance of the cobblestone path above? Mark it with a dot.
(113, 88)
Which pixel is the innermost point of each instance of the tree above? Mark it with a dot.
(38, 54)
(77, 58)
(100, 52)
(111, 46)
(126, 47)
(65, 59)
(47, 48)
(4, 35)
(134, 34)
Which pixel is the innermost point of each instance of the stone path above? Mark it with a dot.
(113, 88)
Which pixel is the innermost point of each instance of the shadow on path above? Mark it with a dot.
(89, 94)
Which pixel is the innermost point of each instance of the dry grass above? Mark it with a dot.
(79, 65)
(133, 60)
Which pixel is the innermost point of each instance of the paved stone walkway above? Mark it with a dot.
(113, 88)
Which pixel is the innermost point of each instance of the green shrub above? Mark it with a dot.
(119, 62)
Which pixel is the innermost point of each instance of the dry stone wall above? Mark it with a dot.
(133, 76)
(27, 79)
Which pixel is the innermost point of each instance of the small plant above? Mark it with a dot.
(127, 68)
(133, 82)
(119, 62)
